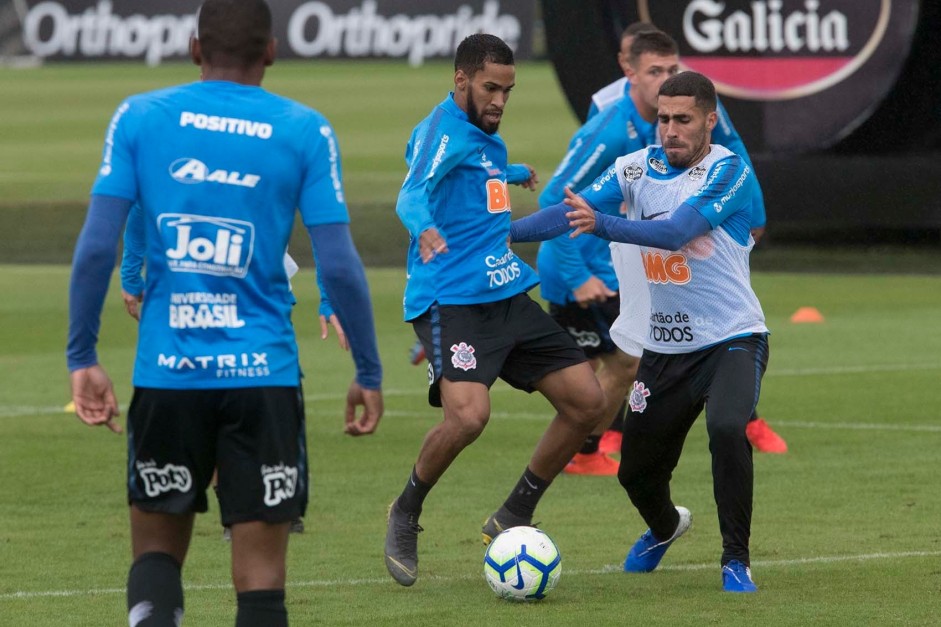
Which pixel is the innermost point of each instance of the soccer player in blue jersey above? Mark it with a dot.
(760, 433)
(689, 208)
(577, 277)
(466, 298)
(219, 168)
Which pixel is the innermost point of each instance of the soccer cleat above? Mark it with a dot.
(401, 549)
(763, 437)
(736, 577)
(610, 442)
(647, 552)
(500, 521)
(597, 464)
(416, 354)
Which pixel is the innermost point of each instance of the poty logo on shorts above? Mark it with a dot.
(584, 338)
(638, 397)
(280, 483)
(191, 171)
(463, 356)
(158, 481)
(207, 244)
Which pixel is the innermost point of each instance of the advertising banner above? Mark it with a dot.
(412, 30)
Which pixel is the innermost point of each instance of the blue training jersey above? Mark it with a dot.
(218, 170)
(565, 263)
(457, 183)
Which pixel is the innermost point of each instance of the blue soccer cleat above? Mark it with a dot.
(647, 552)
(736, 577)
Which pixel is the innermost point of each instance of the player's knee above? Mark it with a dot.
(468, 422)
(725, 434)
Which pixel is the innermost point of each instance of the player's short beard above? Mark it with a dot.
(474, 117)
(702, 148)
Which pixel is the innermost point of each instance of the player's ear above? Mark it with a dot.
(460, 81)
(196, 52)
(271, 52)
(712, 118)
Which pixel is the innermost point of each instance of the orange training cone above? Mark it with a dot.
(806, 314)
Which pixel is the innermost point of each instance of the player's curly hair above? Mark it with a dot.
(478, 49)
(238, 29)
(691, 84)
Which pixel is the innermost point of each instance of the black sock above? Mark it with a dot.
(155, 591)
(591, 445)
(413, 496)
(261, 608)
(525, 496)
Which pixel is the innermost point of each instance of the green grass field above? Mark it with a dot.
(846, 524)
(845, 528)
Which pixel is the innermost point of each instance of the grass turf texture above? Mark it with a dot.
(845, 526)
(53, 121)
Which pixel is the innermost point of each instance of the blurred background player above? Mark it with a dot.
(760, 433)
(225, 397)
(577, 276)
(690, 211)
(466, 298)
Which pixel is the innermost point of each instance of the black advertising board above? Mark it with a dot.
(414, 30)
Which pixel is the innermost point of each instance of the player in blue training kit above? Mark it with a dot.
(689, 208)
(219, 169)
(577, 277)
(466, 298)
(760, 433)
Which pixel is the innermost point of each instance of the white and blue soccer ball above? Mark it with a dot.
(522, 564)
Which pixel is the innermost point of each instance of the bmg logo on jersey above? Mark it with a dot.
(207, 244)
(157, 481)
(280, 483)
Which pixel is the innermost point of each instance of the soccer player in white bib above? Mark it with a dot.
(689, 209)
(759, 432)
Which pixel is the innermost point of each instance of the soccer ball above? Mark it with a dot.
(522, 564)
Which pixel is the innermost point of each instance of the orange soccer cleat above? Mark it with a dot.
(610, 442)
(597, 464)
(763, 437)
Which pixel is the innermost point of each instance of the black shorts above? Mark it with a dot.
(590, 326)
(513, 339)
(254, 436)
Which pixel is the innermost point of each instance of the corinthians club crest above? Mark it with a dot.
(463, 356)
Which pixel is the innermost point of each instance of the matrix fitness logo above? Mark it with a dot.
(773, 49)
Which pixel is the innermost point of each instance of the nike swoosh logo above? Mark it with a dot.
(737, 348)
(480, 150)
(652, 215)
(519, 574)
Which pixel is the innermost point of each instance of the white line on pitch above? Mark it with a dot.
(370, 581)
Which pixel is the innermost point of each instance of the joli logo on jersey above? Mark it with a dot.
(207, 244)
(773, 49)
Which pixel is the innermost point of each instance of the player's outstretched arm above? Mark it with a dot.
(522, 174)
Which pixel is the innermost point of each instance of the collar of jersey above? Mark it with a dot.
(657, 152)
(451, 107)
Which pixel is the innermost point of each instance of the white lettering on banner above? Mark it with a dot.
(49, 30)
(207, 244)
(219, 124)
(362, 32)
(765, 29)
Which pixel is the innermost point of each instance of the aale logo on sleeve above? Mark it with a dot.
(207, 244)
